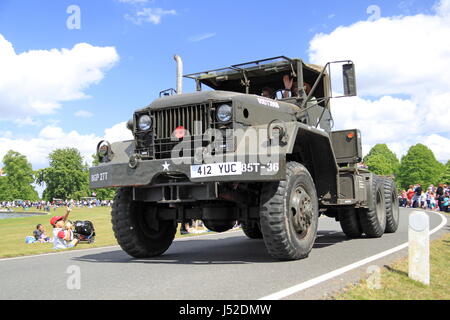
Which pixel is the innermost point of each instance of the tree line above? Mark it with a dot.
(67, 176)
(419, 165)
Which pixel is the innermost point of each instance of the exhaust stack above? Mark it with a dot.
(179, 74)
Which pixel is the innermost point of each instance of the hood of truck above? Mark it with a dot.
(215, 96)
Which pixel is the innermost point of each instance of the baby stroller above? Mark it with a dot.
(84, 231)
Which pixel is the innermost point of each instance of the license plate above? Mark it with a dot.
(216, 170)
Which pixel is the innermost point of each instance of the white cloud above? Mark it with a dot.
(83, 114)
(201, 37)
(439, 145)
(27, 122)
(119, 132)
(37, 81)
(406, 56)
(152, 15)
(53, 137)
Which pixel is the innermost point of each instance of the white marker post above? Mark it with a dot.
(419, 247)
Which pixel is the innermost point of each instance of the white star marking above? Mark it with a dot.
(166, 166)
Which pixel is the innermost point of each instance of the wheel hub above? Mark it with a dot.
(301, 209)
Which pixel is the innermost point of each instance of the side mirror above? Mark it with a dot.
(348, 74)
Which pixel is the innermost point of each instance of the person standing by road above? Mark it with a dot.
(445, 202)
(417, 195)
(62, 232)
(440, 196)
(403, 198)
(410, 194)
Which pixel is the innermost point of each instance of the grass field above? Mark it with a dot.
(13, 231)
(396, 285)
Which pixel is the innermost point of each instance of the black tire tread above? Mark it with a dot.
(368, 217)
(390, 189)
(273, 201)
(252, 231)
(350, 223)
(127, 232)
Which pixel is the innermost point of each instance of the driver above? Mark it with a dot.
(267, 92)
(291, 87)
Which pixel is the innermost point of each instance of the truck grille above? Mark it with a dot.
(159, 143)
(194, 119)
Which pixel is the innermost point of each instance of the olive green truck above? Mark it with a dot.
(253, 144)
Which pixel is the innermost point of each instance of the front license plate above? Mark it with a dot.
(216, 170)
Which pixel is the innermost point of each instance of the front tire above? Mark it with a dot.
(137, 229)
(289, 214)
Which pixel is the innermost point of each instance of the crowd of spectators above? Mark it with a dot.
(431, 198)
(47, 206)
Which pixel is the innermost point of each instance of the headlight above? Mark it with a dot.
(145, 123)
(224, 113)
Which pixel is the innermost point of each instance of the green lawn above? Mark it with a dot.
(13, 231)
(396, 285)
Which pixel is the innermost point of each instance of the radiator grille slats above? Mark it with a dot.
(168, 120)
(159, 143)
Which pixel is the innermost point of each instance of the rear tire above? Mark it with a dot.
(350, 223)
(252, 230)
(289, 214)
(137, 229)
(373, 220)
(392, 205)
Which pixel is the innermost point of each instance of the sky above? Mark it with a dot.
(73, 72)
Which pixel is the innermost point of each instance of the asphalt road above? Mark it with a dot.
(219, 266)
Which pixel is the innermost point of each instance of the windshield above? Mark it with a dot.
(263, 78)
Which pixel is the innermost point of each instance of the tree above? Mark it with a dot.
(67, 177)
(382, 161)
(5, 192)
(419, 165)
(445, 175)
(104, 193)
(17, 184)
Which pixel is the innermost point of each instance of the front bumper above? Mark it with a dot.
(122, 175)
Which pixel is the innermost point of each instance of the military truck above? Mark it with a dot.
(250, 145)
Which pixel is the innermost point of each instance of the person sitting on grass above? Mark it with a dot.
(62, 232)
(39, 234)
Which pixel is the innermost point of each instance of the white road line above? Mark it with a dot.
(310, 283)
(110, 247)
